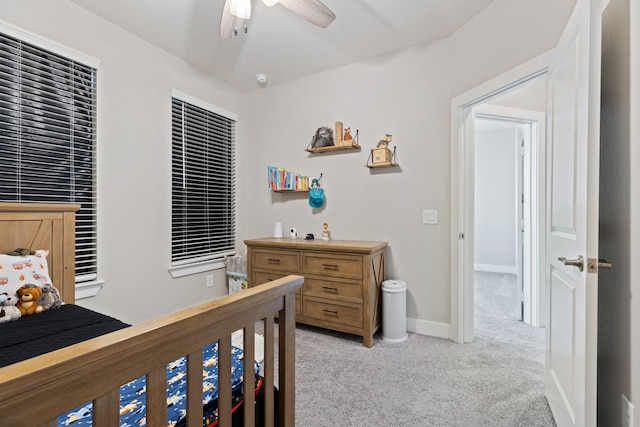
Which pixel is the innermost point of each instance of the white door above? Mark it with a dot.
(572, 220)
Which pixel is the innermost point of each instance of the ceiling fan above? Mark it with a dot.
(236, 11)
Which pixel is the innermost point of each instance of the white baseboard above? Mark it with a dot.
(495, 268)
(426, 327)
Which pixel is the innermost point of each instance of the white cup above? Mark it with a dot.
(277, 230)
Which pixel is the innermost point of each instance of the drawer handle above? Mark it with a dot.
(327, 288)
(330, 266)
(334, 312)
(273, 260)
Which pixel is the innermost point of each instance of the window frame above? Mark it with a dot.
(89, 284)
(214, 260)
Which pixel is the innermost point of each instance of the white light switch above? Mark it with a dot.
(429, 217)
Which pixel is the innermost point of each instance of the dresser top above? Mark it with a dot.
(363, 246)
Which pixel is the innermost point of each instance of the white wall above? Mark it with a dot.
(407, 94)
(134, 89)
(495, 198)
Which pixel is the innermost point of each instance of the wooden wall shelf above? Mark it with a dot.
(381, 165)
(291, 191)
(333, 148)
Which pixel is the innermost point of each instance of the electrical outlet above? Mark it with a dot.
(429, 217)
(210, 281)
(627, 412)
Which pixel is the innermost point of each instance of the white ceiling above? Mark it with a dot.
(279, 43)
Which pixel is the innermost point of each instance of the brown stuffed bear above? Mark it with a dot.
(28, 303)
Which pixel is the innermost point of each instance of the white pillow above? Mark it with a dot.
(17, 271)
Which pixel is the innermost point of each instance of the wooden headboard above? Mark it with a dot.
(44, 226)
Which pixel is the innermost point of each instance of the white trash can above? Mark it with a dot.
(394, 310)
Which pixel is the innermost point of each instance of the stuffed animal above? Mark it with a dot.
(8, 309)
(21, 252)
(322, 138)
(50, 297)
(29, 300)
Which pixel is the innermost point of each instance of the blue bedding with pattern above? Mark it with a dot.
(132, 394)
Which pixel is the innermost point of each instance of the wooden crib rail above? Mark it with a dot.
(94, 370)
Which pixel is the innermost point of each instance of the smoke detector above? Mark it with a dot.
(262, 78)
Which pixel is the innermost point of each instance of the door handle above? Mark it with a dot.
(573, 262)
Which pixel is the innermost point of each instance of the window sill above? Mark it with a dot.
(88, 289)
(199, 267)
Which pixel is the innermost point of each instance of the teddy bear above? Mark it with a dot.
(28, 297)
(8, 309)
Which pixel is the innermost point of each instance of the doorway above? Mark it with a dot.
(505, 212)
(520, 94)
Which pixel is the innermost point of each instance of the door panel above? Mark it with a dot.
(572, 218)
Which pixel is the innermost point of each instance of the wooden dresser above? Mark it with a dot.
(342, 279)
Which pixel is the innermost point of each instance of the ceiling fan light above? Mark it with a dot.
(241, 8)
(270, 2)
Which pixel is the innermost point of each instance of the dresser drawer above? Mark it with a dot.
(342, 290)
(349, 266)
(349, 315)
(288, 261)
(261, 277)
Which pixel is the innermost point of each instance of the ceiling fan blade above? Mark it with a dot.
(310, 10)
(227, 22)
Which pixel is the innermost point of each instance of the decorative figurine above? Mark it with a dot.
(322, 138)
(384, 142)
(347, 134)
(325, 231)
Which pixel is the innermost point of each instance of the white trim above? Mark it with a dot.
(509, 269)
(193, 268)
(44, 43)
(426, 327)
(88, 289)
(203, 104)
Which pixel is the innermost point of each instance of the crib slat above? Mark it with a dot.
(194, 389)
(249, 378)
(287, 362)
(268, 371)
(106, 409)
(224, 381)
(157, 397)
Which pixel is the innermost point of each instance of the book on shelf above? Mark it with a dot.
(280, 179)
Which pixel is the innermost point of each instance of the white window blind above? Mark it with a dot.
(47, 137)
(203, 182)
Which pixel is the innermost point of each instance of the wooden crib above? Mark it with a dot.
(35, 391)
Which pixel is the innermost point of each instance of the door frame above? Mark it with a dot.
(462, 185)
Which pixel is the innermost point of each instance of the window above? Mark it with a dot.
(47, 135)
(203, 185)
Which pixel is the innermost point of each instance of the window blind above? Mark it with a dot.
(47, 137)
(203, 183)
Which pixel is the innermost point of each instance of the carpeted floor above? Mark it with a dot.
(497, 380)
